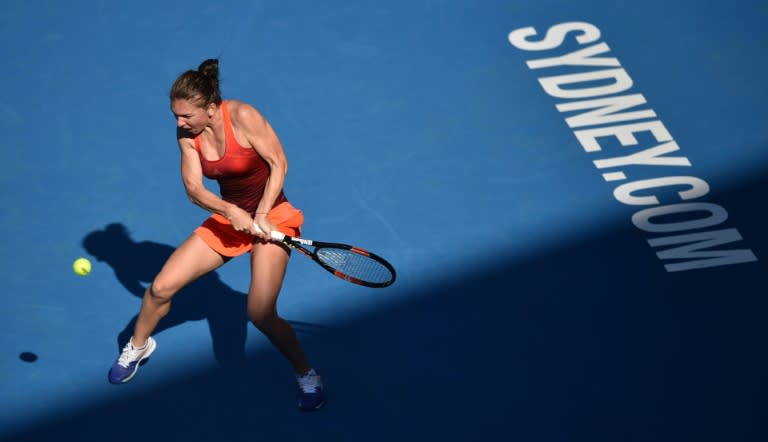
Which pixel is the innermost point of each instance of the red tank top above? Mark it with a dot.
(241, 172)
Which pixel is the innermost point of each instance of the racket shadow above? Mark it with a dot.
(208, 298)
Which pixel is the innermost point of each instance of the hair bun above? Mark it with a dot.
(200, 87)
(210, 68)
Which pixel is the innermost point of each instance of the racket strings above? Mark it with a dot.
(355, 265)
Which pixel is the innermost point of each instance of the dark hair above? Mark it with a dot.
(200, 86)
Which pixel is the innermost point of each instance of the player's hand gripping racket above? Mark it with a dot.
(349, 263)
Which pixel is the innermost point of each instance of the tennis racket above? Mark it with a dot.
(349, 263)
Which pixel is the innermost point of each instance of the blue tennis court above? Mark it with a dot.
(571, 191)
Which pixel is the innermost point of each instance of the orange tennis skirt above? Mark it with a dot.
(218, 233)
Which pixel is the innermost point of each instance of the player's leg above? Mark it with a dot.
(191, 260)
(268, 264)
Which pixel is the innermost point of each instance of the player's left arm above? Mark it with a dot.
(260, 135)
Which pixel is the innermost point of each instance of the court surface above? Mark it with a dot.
(580, 239)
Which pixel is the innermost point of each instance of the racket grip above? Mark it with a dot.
(276, 235)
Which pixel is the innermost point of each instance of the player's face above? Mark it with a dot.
(190, 116)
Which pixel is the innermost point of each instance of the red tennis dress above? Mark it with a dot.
(242, 175)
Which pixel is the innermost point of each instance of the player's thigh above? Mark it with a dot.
(191, 260)
(268, 264)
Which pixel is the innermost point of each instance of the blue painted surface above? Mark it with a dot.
(528, 307)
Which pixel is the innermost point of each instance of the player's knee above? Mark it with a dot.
(262, 318)
(160, 291)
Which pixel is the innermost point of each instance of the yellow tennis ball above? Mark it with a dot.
(82, 266)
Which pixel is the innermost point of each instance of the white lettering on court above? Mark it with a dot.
(610, 116)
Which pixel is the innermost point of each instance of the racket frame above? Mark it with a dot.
(301, 245)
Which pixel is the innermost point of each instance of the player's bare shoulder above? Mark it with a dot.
(245, 116)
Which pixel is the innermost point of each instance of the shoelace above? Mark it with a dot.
(129, 354)
(309, 383)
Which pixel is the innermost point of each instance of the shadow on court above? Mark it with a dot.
(592, 341)
(208, 298)
(137, 263)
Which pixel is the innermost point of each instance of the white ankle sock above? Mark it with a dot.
(139, 348)
(311, 372)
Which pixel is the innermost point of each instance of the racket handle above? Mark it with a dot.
(276, 235)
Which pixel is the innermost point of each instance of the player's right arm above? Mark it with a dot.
(192, 176)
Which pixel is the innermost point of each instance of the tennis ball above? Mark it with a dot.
(82, 266)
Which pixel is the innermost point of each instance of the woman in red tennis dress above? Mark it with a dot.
(231, 142)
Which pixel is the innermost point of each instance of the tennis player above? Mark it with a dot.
(231, 142)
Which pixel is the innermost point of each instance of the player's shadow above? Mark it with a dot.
(208, 298)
